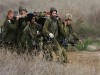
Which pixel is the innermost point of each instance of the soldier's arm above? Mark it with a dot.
(10, 25)
(22, 22)
(73, 33)
(61, 28)
(26, 30)
(45, 28)
(26, 33)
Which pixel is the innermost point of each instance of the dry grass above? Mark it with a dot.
(80, 63)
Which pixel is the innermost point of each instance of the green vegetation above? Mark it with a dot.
(85, 43)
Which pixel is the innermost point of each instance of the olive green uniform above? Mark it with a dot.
(31, 36)
(21, 25)
(9, 31)
(68, 30)
(54, 27)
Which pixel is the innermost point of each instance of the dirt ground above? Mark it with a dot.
(80, 63)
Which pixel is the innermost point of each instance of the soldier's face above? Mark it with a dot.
(54, 13)
(69, 22)
(10, 16)
(33, 19)
(22, 12)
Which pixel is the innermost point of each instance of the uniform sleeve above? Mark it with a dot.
(26, 33)
(26, 30)
(45, 28)
(11, 26)
(73, 33)
(61, 30)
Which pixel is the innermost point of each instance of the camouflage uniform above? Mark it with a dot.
(32, 35)
(68, 30)
(9, 31)
(21, 25)
(53, 26)
(65, 39)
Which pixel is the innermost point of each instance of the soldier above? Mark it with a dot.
(9, 28)
(68, 30)
(51, 30)
(22, 22)
(32, 32)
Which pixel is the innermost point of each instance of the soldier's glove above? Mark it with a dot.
(38, 33)
(51, 35)
(9, 21)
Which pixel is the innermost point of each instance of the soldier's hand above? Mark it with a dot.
(17, 17)
(51, 35)
(9, 21)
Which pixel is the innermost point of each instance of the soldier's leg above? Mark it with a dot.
(57, 50)
(48, 52)
(62, 53)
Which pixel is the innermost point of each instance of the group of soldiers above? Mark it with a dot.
(42, 31)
